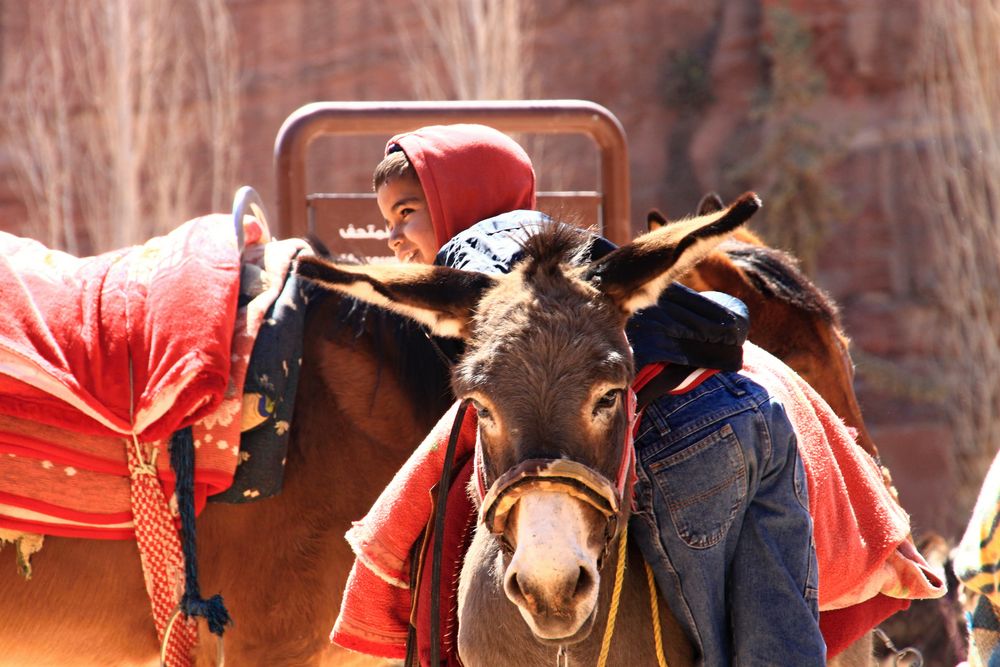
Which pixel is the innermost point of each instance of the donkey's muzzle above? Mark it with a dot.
(561, 475)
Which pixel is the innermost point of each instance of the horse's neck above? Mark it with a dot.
(345, 446)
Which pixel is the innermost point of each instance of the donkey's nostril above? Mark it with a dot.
(559, 593)
(512, 586)
(584, 583)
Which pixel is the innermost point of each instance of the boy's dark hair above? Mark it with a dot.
(394, 165)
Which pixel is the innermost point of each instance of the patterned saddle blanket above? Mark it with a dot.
(100, 353)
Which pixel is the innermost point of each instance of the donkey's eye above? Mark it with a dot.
(608, 401)
(481, 410)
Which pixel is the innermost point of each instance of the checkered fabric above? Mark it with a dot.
(161, 556)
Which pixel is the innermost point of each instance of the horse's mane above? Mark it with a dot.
(774, 273)
(405, 347)
(401, 344)
(777, 275)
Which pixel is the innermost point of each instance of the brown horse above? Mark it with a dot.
(281, 564)
(790, 316)
(371, 386)
(547, 368)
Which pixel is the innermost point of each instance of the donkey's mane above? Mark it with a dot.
(776, 274)
(553, 245)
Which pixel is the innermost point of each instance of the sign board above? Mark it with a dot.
(350, 223)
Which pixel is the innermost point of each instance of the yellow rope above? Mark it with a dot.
(654, 607)
(616, 595)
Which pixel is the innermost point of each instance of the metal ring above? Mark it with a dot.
(220, 654)
(246, 197)
(912, 656)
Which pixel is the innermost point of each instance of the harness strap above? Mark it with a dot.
(438, 544)
(659, 379)
(416, 555)
(661, 383)
(570, 477)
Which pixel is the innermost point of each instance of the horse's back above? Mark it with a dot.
(280, 564)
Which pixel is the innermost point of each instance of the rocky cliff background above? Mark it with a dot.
(868, 128)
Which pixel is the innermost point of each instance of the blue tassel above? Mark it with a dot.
(212, 610)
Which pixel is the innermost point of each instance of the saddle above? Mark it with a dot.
(122, 349)
(115, 371)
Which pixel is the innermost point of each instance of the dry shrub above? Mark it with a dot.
(467, 49)
(792, 167)
(476, 50)
(121, 117)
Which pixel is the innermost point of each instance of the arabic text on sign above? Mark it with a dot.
(369, 232)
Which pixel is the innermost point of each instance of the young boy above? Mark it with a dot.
(721, 500)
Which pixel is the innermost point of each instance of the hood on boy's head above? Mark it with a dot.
(468, 173)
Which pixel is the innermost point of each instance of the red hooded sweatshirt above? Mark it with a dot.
(468, 173)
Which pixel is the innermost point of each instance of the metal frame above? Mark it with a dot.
(387, 118)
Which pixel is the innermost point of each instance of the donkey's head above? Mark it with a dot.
(547, 368)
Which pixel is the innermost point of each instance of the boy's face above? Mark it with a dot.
(411, 234)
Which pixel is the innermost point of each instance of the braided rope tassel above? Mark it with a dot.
(616, 595)
(213, 610)
(160, 554)
(159, 547)
(654, 608)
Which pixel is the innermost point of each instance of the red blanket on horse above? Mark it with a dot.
(144, 341)
(867, 568)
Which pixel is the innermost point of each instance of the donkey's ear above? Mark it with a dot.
(634, 275)
(710, 203)
(655, 220)
(440, 297)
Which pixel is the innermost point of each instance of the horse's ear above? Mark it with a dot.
(440, 297)
(710, 203)
(655, 220)
(634, 275)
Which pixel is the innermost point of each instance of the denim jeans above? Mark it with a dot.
(722, 517)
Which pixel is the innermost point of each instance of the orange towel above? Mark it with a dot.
(375, 612)
(867, 569)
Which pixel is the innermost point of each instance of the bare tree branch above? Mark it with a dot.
(478, 49)
(127, 126)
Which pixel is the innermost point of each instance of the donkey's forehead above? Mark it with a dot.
(524, 289)
(556, 301)
(556, 322)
